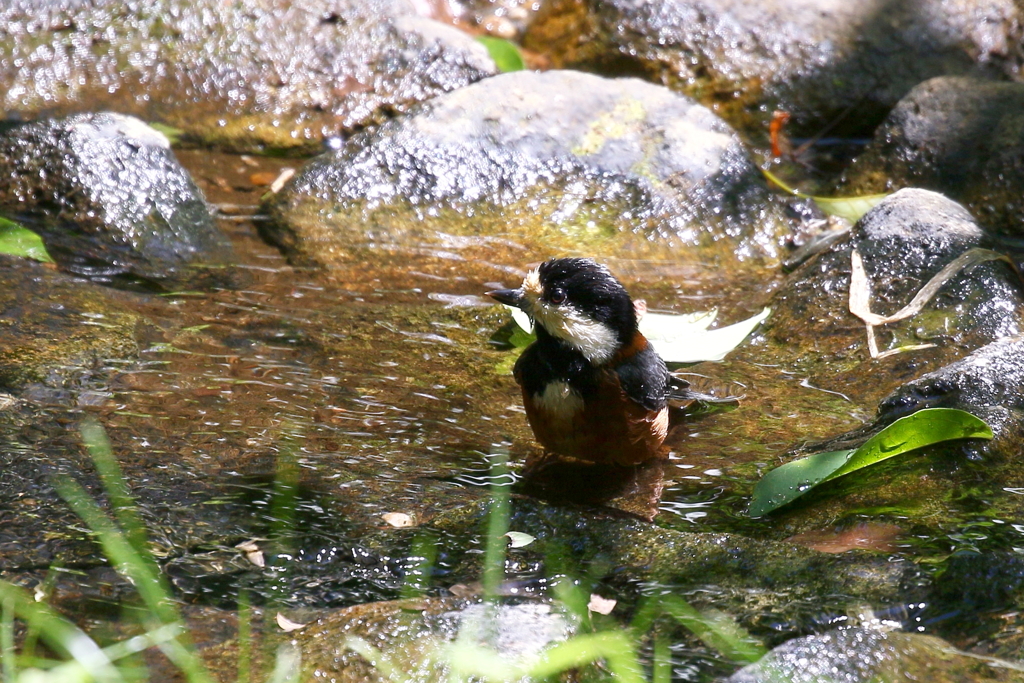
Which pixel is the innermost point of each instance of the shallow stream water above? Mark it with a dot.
(375, 388)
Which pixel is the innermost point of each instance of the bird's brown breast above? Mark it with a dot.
(605, 427)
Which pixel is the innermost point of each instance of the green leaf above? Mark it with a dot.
(850, 208)
(18, 241)
(506, 55)
(925, 427)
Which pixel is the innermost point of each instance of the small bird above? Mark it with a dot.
(593, 387)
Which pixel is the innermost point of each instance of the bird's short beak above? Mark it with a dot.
(509, 297)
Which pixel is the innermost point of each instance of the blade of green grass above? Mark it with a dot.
(497, 527)
(66, 639)
(424, 554)
(244, 637)
(135, 564)
(10, 666)
(717, 630)
(661, 666)
(96, 442)
(615, 647)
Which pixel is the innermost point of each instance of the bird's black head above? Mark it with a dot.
(578, 301)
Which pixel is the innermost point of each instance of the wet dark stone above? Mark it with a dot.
(252, 75)
(823, 61)
(108, 197)
(958, 136)
(988, 383)
(866, 655)
(563, 159)
(904, 241)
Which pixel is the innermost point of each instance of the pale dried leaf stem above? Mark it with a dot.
(860, 294)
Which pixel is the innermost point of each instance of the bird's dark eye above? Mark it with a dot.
(557, 296)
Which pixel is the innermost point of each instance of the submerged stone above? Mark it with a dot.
(252, 75)
(108, 198)
(903, 242)
(55, 330)
(958, 136)
(826, 62)
(563, 160)
(731, 572)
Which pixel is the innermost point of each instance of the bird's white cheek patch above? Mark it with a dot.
(596, 341)
(559, 402)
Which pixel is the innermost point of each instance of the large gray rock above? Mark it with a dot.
(564, 159)
(108, 197)
(957, 136)
(820, 60)
(257, 74)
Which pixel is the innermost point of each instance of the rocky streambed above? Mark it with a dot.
(310, 398)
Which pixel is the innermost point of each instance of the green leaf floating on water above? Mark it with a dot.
(18, 241)
(850, 208)
(677, 338)
(506, 55)
(925, 427)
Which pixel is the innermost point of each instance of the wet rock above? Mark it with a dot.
(904, 241)
(55, 330)
(253, 75)
(860, 655)
(823, 61)
(988, 383)
(560, 159)
(107, 196)
(411, 636)
(958, 136)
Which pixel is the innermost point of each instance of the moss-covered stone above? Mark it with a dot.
(620, 166)
(56, 330)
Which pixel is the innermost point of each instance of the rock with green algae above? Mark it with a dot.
(557, 160)
(768, 586)
(864, 655)
(828, 63)
(56, 330)
(412, 637)
(903, 242)
(253, 75)
(958, 136)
